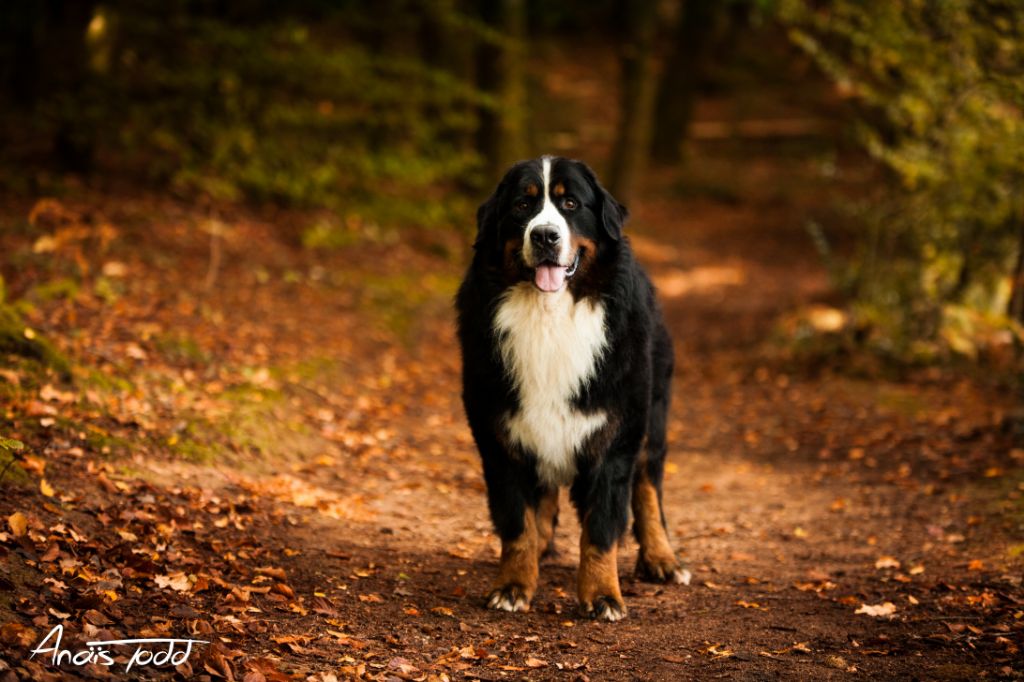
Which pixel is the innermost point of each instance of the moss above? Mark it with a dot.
(397, 302)
(250, 394)
(181, 349)
(94, 378)
(53, 290)
(309, 368)
(193, 450)
(100, 441)
(16, 338)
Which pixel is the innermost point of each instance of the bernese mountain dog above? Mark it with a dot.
(567, 367)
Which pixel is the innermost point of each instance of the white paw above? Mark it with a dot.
(681, 576)
(509, 598)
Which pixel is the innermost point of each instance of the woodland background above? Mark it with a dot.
(229, 237)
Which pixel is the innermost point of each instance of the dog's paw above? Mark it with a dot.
(511, 597)
(604, 608)
(662, 570)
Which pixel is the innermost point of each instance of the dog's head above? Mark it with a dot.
(549, 221)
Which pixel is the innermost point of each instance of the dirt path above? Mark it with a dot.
(280, 465)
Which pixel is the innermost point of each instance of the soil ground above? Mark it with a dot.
(264, 447)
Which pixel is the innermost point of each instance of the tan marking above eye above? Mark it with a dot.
(532, 190)
(558, 190)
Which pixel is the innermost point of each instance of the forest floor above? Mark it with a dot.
(263, 446)
(274, 458)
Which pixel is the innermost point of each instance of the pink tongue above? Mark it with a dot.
(549, 277)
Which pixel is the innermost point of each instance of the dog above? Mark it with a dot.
(567, 367)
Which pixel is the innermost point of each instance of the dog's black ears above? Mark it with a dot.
(487, 216)
(613, 214)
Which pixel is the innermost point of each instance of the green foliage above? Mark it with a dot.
(294, 105)
(11, 445)
(938, 90)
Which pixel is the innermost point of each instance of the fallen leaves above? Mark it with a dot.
(177, 581)
(718, 651)
(884, 610)
(272, 572)
(839, 663)
(815, 586)
(886, 562)
(18, 523)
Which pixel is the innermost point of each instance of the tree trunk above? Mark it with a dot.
(1015, 308)
(445, 47)
(500, 74)
(677, 91)
(637, 98)
(64, 68)
(20, 24)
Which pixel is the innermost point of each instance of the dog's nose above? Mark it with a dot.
(544, 235)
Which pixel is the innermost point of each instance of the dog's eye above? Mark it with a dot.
(522, 205)
(570, 204)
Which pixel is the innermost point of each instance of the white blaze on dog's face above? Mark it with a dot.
(546, 240)
(547, 223)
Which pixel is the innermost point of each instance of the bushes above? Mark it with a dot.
(300, 103)
(938, 93)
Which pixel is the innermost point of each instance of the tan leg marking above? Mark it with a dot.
(598, 582)
(517, 572)
(656, 560)
(547, 510)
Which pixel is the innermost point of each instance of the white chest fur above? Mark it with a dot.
(551, 346)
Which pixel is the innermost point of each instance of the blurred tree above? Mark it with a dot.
(680, 77)
(939, 90)
(448, 48)
(639, 21)
(501, 74)
(44, 59)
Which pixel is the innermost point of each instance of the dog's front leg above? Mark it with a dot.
(517, 572)
(601, 495)
(513, 495)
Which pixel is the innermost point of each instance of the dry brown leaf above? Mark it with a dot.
(178, 582)
(17, 634)
(885, 610)
(272, 572)
(887, 562)
(718, 650)
(18, 523)
(284, 590)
